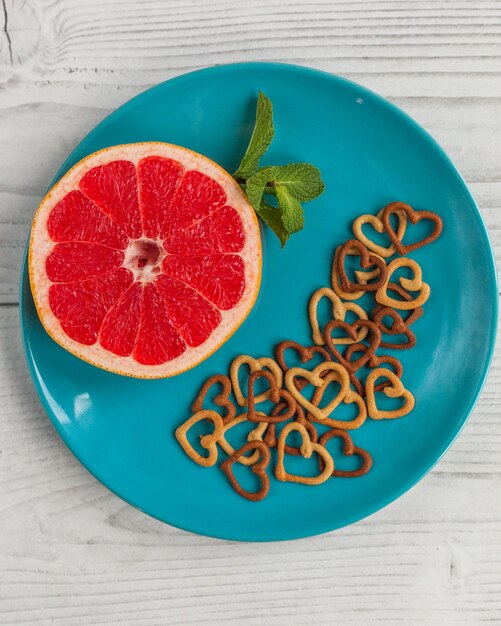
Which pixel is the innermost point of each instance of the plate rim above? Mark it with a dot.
(321, 528)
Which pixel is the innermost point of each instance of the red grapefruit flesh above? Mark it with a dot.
(144, 258)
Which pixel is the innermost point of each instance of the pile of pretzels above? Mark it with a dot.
(345, 358)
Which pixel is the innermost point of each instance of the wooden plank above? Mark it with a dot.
(83, 53)
(70, 549)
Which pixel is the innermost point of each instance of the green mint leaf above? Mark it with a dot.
(291, 209)
(302, 180)
(255, 187)
(262, 136)
(273, 218)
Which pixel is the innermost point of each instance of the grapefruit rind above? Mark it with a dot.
(41, 245)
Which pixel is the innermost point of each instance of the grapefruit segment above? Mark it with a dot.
(72, 261)
(120, 326)
(192, 315)
(221, 231)
(113, 187)
(81, 307)
(218, 277)
(144, 258)
(158, 181)
(157, 340)
(76, 218)
(197, 196)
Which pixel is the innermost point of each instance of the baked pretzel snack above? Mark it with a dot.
(411, 284)
(351, 331)
(209, 442)
(255, 365)
(258, 468)
(395, 390)
(308, 448)
(377, 224)
(335, 281)
(315, 378)
(222, 399)
(276, 395)
(306, 354)
(348, 450)
(413, 217)
(367, 260)
(339, 310)
(398, 327)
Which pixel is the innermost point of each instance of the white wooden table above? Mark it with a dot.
(73, 553)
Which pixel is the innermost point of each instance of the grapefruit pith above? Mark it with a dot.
(144, 258)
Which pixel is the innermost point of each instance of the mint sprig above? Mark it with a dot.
(276, 192)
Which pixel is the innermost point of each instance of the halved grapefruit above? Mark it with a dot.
(144, 258)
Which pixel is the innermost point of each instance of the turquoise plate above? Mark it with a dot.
(370, 153)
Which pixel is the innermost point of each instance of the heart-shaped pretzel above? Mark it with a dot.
(258, 468)
(395, 390)
(270, 437)
(411, 284)
(413, 217)
(398, 327)
(222, 399)
(255, 365)
(317, 378)
(307, 449)
(348, 450)
(305, 354)
(256, 434)
(351, 330)
(275, 394)
(377, 224)
(350, 397)
(336, 285)
(209, 442)
(339, 310)
(373, 362)
(414, 314)
(367, 260)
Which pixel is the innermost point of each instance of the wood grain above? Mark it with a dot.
(71, 553)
